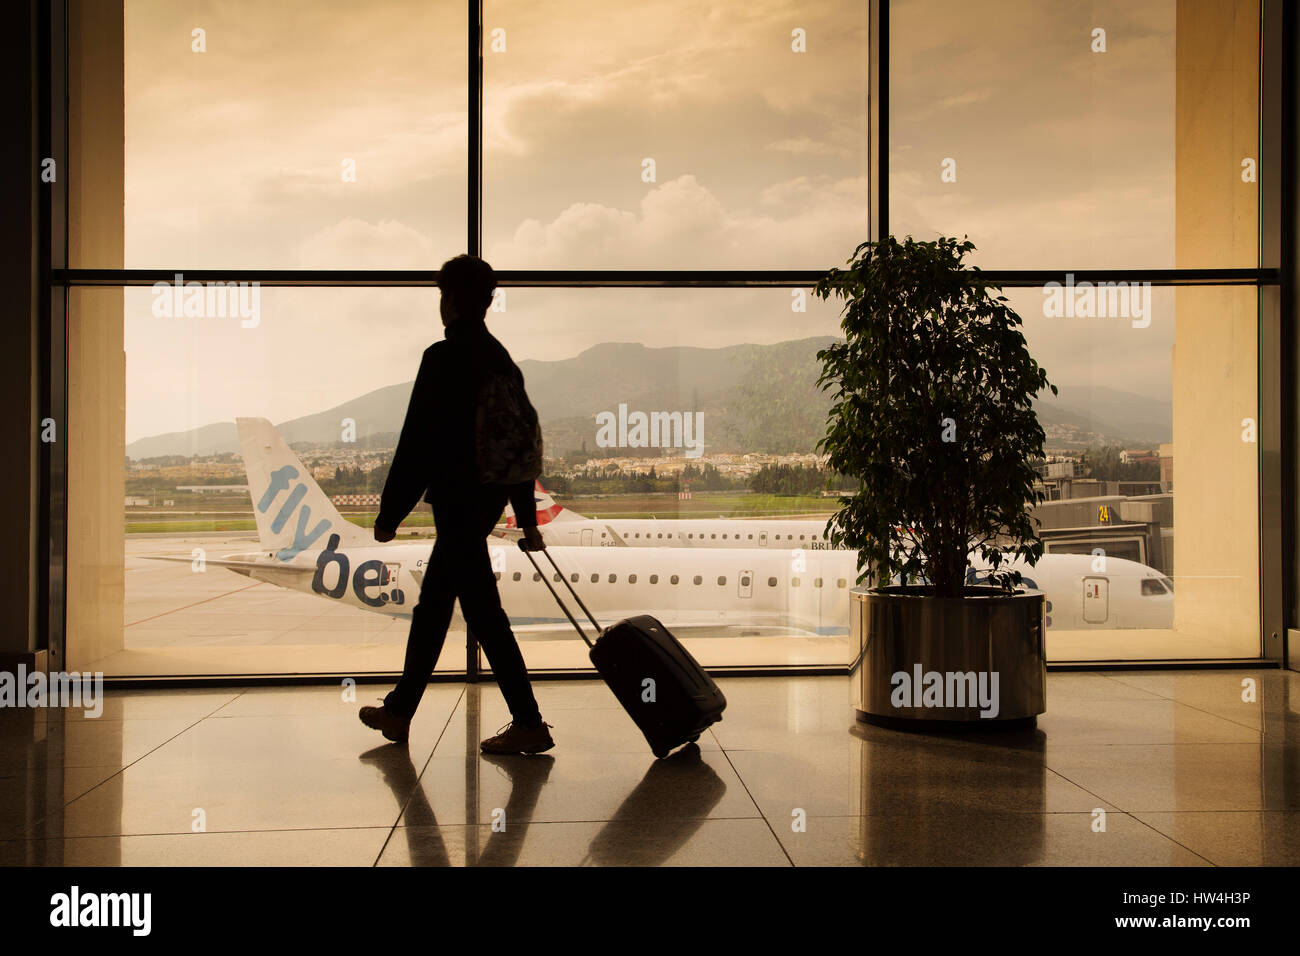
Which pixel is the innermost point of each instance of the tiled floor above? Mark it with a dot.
(1126, 768)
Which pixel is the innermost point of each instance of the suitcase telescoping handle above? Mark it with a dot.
(555, 594)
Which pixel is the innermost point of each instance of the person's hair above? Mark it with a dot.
(470, 282)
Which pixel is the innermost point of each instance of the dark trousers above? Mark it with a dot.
(460, 567)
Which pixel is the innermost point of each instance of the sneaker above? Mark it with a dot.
(514, 739)
(395, 728)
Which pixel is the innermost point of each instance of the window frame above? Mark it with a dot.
(1274, 278)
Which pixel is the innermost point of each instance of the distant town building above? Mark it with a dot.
(1057, 469)
(214, 489)
(367, 499)
(1167, 465)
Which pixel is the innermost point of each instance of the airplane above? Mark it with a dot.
(306, 545)
(560, 526)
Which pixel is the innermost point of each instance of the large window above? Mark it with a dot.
(319, 160)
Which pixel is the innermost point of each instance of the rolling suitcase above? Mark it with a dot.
(660, 685)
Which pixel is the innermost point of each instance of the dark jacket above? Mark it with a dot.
(435, 454)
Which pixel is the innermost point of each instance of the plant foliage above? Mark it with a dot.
(933, 413)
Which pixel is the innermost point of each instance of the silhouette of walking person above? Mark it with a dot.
(469, 444)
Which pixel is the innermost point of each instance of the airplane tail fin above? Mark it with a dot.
(548, 509)
(292, 512)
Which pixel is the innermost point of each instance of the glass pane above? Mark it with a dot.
(1152, 533)
(657, 431)
(1076, 135)
(241, 591)
(306, 134)
(670, 136)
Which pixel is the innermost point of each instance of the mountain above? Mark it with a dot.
(755, 398)
(375, 412)
(1121, 417)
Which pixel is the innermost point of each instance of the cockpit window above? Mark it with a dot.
(1152, 586)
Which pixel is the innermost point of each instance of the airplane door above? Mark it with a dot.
(1096, 600)
(390, 580)
(745, 584)
(586, 537)
(762, 539)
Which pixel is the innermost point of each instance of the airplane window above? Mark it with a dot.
(722, 579)
(631, 578)
(497, 575)
(638, 534)
(800, 537)
(659, 535)
(699, 579)
(1152, 586)
(817, 582)
(840, 583)
(538, 577)
(614, 577)
(794, 582)
(557, 575)
(594, 577)
(771, 582)
(1168, 583)
(517, 576)
(713, 535)
(724, 537)
(602, 534)
(574, 577)
(673, 579)
(670, 534)
(691, 535)
(751, 537)
(1049, 607)
(654, 579)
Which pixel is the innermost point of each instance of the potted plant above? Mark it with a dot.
(933, 415)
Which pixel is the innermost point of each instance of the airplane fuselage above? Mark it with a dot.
(803, 589)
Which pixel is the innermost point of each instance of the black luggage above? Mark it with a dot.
(657, 681)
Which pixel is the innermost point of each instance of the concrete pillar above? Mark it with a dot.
(19, 169)
(96, 427)
(1216, 498)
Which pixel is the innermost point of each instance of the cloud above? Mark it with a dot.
(356, 244)
(680, 224)
(804, 146)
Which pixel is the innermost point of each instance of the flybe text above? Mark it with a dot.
(369, 576)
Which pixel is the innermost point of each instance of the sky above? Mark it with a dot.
(235, 158)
